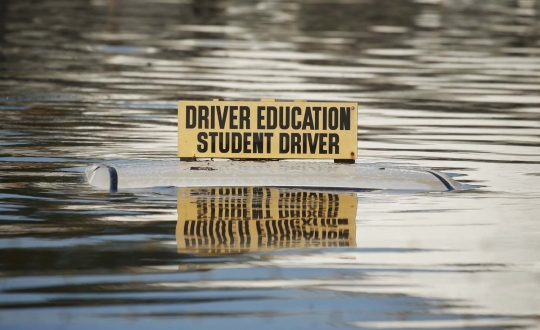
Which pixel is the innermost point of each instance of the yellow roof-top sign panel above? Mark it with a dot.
(267, 129)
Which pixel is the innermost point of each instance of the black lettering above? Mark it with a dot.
(260, 117)
(272, 117)
(224, 143)
(203, 145)
(312, 142)
(212, 117)
(333, 144)
(296, 123)
(283, 143)
(234, 117)
(284, 117)
(333, 118)
(322, 144)
(268, 137)
(244, 117)
(222, 116)
(236, 143)
(247, 143)
(257, 143)
(295, 143)
(213, 136)
(190, 116)
(308, 119)
(203, 117)
(317, 111)
(325, 119)
(345, 118)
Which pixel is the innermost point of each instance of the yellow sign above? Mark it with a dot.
(235, 220)
(267, 129)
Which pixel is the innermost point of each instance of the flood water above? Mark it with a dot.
(452, 85)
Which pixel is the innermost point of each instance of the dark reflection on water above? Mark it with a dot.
(235, 220)
(449, 84)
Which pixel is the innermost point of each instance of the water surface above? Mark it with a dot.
(447, 84)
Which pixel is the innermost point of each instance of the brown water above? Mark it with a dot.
(452, 85)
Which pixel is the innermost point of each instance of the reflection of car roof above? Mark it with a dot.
(309, 174)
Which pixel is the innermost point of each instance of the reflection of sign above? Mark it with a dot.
(267, 129)
(233, 220)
